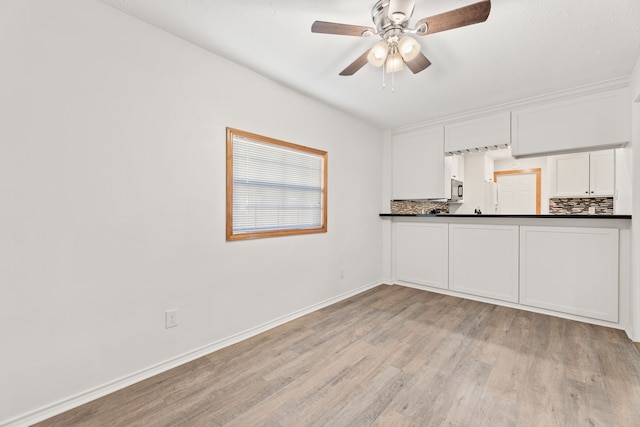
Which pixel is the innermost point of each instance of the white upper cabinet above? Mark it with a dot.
(489, 168)
(598, 120)
(583, 174)
(457, 167)
(488, 131)
(570, 175)
(602, 173)
(418, 165)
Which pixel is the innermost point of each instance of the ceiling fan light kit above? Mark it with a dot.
(409, 48)
(394, 61)
(378, 53)
(391, 19)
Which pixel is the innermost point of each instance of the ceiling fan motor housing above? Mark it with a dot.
(382, 21)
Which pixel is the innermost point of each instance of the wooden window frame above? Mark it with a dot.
(288, 145)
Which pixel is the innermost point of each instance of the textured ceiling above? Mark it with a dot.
(526, 48)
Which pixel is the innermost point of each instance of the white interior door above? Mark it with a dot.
(517, 194)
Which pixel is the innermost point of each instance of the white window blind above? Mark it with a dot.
(275, 187)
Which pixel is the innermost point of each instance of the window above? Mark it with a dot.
(274, 188)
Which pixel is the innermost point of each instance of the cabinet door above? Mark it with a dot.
(418, 165)
(489, 168)
(483, 260)
(601, 173)
(421, 253)
(569, 269)
(570, 174)
(457, 167)
(488, 131)
(585, 122)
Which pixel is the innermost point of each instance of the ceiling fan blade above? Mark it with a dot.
(341, 29)
(355, 65)
(418, 63)
(472, 14)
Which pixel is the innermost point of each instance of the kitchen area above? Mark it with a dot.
(494, 182)
(526, 206)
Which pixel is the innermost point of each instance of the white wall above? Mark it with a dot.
(385, 207)
(623, 201)
(635, 239)
(112, 202)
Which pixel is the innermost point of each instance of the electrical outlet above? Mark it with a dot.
(592, 210)
(342, 273)
(171, 318)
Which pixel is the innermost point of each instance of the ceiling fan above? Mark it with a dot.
(391, 19)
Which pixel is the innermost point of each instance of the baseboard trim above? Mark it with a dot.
(120, 383)
(514, 305)
(631, 335)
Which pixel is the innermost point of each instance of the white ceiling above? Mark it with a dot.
(526, 48)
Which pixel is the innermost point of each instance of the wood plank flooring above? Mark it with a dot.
(395, 356)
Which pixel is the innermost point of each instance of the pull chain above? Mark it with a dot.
(393, 82)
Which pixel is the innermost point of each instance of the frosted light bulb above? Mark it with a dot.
(394, 63)
(408, 48)
(378, 54)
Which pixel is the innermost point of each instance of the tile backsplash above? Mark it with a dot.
(417, 207)
(580, 206)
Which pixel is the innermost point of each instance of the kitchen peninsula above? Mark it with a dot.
(571, 266)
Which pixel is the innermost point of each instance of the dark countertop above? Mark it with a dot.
(508, 216)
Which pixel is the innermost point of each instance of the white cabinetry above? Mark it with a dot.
(569, 269)
(598, 120)
(489, 168)
(457, 166)
(570, 175)
(421, 253)
(487, 131)
(418, 165)
(483, 260)
(602, 173)
(583, 174)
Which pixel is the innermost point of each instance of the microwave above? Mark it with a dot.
(456, 190)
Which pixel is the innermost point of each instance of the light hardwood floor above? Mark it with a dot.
(395, 356)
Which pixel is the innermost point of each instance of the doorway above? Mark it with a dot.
(519, 191)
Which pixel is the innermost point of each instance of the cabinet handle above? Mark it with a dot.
(592, 192)
(586, 192)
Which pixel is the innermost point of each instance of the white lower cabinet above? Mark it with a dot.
(421, 252)
(483, 260)
(571, 270)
